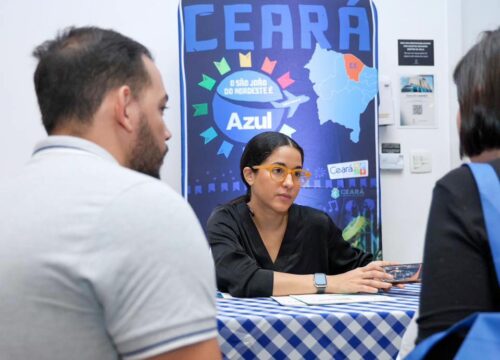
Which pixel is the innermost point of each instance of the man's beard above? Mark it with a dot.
(147, 156)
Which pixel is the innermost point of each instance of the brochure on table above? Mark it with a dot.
(328, 299)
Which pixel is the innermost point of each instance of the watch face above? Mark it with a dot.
(320, 279)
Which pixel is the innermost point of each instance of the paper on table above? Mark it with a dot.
(328, 299)
(288, 301)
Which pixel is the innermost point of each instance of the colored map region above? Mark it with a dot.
(344, 86)
(353, 66)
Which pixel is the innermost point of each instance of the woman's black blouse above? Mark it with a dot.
(312, 244)
(458, 276)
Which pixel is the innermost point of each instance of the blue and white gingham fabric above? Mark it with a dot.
(260, 328)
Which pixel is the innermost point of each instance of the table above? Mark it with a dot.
(260, 328)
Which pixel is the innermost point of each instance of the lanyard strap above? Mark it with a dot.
(489, 192)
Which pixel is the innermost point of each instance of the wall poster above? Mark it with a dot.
(417, 102)
(306, 69)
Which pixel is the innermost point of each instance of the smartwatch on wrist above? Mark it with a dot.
(320, 282)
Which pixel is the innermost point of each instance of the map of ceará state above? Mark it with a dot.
(344, 86)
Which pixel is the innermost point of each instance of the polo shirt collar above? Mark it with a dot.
(56, 142)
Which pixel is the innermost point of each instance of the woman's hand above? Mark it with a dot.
(369, 279)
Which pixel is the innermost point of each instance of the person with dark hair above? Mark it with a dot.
(96, 258)
(458, 275)
(263, 244)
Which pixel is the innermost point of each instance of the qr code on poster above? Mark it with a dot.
(417, 109)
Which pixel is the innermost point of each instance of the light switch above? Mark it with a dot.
(420, 161)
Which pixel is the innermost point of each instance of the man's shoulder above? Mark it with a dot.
(145, 183)
(136, 191)
(120, 175)
(120, 180)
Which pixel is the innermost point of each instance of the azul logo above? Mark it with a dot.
(347, 170)
(250, 122)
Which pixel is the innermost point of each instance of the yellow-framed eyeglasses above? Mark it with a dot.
(279, 173)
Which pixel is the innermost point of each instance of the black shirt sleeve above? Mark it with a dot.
(237, 272)
(458, 275)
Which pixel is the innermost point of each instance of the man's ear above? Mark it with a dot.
(124, 108)
(249, 175)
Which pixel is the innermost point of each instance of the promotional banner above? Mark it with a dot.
(305, 69)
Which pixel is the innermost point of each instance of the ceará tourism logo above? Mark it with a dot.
(352, 169)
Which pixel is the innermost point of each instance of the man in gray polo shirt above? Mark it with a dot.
(99, 261)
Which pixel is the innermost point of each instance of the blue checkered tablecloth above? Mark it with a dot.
(260, 328)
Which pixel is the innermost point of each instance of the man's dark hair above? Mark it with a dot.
(78, 68)
(477, 77)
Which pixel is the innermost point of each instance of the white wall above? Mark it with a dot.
(454, 26)
(405, 196)
(478, 16)
(24, 24)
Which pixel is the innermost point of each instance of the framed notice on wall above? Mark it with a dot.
(417, 108)
(416, 52)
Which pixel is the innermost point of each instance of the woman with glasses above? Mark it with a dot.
(263, 244)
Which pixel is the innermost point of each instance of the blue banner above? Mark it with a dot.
(306, 70)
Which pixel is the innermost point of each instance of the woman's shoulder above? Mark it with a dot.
(310, 214)
(226, 212)
(461, 179)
